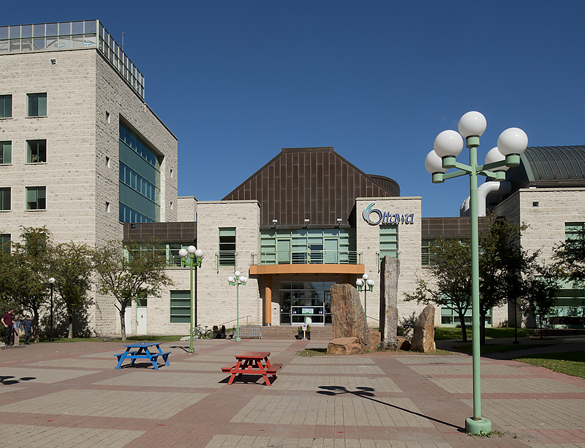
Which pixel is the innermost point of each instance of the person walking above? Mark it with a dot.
(7, 322)
(27, 327)
(16, 330)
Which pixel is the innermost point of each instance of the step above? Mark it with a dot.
(289, 332)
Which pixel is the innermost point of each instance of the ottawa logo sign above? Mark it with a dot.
(374, 217)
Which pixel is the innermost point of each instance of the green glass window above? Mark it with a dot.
(36, 198)
(388, 241)
(227, 246)
(180, 307)
(449, 318)
(5, 243)
(36, 151)
(5, 198)
(5, 106)
(308, 246)
(5, 153)
(574, 231)
(37, 105)
(139, 178)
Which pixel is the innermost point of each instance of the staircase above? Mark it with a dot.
(289, 332)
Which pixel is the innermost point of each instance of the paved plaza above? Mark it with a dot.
(70, 395)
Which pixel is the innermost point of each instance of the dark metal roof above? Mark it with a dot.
(310, 183)
(549, 166)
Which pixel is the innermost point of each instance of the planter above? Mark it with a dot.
(300, 334)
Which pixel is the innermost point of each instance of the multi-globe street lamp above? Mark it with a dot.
(448, 144)
(237, 281)
(192, 257)
(365, 285)
(51, 282)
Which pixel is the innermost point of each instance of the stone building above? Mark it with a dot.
(80, 150)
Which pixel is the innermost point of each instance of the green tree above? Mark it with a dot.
(541, 297)
(25, 273)
(451, 271)
(129, 272)
(505, 268)
(71, 266)
(569, 258)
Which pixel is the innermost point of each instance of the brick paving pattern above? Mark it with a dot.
(70, 395)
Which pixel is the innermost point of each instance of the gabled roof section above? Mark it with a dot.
(310, 183)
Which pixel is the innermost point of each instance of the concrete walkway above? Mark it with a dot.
(70, 395)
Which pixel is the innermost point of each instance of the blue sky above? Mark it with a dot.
(236, 81)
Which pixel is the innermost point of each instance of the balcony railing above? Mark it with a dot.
(308, 257)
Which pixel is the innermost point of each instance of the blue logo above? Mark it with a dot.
(385, 217)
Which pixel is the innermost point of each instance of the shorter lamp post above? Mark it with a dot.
(51, 282)
(237, 281)
(516, 341)
(365, 285)
(192, 257)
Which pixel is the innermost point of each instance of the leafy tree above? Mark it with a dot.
(541, 297)
(504, 267)
(25, 273)
(569, 259)
(451, 270)
(71, 266)
(505, 272)
(129, 272)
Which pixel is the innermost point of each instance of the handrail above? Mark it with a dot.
(307, 256)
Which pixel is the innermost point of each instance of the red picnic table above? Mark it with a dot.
(252, 363)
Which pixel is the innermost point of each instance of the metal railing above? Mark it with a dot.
(308, 257)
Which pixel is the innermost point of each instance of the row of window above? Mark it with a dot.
(36, 152)
(35, 198)
(36, 105)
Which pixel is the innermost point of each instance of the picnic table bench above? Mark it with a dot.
(252, 363)
(143, 352)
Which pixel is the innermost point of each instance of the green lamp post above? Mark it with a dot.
(448, 144)
(365, 285)
(237, 281)
(192, 257)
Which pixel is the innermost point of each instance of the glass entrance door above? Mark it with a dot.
(305, 302)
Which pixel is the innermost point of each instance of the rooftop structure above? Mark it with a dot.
(63, 36)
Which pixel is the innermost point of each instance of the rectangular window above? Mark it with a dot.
(5, 106)
(388, 241)
(5, 243)
(37, 105)
(180, 307)
(5, 153)
(36, 198)
(36, 151)
(574, 231)
(5, 198)
(227, 246)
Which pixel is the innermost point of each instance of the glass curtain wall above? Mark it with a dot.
(139, 179)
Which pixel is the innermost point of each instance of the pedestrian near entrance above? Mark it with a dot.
(26, 326)
(7, 322)
(16, 330)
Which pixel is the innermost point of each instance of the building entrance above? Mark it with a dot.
(305, 303)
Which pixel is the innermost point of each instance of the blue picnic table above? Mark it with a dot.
(143, 350)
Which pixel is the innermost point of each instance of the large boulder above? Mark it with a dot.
(347, 315)
(344, 346)
(423, 339)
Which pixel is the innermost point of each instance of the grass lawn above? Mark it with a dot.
(571, 363)
(496, 348)
(442, 333)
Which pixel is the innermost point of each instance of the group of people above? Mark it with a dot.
(14, 327)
